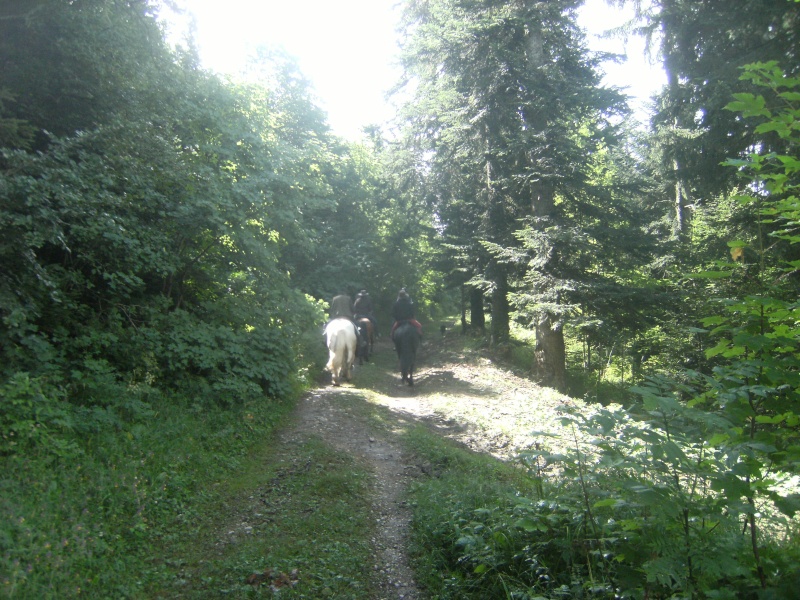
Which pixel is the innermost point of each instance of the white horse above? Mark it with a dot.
(342, 344)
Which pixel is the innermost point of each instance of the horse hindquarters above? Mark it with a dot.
(406, 339)
(337, 357)
(341, 348)
(365, 340)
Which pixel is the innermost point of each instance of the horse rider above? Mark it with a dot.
(342, 308)
(363, 308)
(403, 310)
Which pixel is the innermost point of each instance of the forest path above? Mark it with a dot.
(458, 393)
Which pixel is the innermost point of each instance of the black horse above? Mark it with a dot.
(406, 342)
(366, 339)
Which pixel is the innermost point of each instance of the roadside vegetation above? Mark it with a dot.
(616, 502)
(95, 519)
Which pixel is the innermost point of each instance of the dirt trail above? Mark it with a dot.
(319, 413)
(458, 394)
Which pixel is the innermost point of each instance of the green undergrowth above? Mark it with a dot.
(465, 488)
(93, 521)
(487, 529)
(293, 523)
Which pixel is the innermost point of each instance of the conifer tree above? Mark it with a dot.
(500, 90)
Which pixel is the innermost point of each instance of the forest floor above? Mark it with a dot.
(458, 393)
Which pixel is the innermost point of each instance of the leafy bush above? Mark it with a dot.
(665, 509)
(35, 419)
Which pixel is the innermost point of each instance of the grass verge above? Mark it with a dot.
(93, 522)
(294, 521)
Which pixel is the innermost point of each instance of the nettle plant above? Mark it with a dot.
(693, 492)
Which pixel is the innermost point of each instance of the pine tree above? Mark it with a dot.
(500, 91)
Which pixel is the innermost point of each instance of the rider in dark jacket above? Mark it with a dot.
(342, 306)
(363, 307)
(403, 310)
(363, 303)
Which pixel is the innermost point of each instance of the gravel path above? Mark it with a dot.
(459, 394)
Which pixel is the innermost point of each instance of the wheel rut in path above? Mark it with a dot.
(321, 413)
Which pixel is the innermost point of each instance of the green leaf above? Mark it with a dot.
(718, 439)
(674, 453)
(530, 525)
(733, 487)
(788, 505)
(782, 129)
(721, 348)
(606, 502)
(749, 105)
(738, 244)
(767, 420)
(710, 275)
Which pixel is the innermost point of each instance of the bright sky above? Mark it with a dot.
(347, 49)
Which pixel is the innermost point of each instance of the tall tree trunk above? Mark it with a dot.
(496, 272)
(477, 318)
(500, 308)
(463, 310)
(679, 227)
(680, 199)
(551, 354)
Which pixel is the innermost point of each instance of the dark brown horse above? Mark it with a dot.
(366, 333)
(406, 341)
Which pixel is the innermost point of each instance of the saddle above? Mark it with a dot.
(411, 321)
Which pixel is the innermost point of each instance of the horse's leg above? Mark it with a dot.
(353, 358)
(336, 369)
(345, 367)
(330, 365)
(346, 362)
(331, 355)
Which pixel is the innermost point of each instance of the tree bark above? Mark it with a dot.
(463, 311)
(477, 318)
(500, 308)
(679, 227)
(551, 355)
